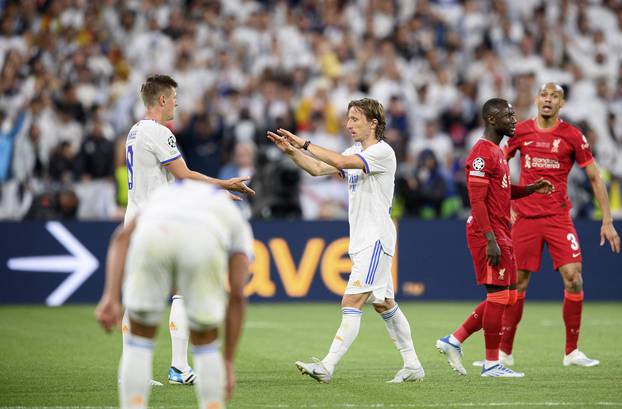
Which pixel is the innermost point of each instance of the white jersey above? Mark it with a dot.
(149, 146)
(371, 195)
(203, 206)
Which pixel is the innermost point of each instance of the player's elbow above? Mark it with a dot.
(314, 170)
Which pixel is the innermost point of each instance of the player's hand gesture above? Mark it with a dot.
(238, 185)
(609, 233)
(233, 197)
(493, 253)
(296, 141)
(108, 313)
(543, 186)
(281, 143)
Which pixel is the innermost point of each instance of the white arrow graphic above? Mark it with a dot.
(81, 264)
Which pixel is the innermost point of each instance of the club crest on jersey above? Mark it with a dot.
(527, 162)
(585, 143)
(478, 164)
(502, 274)
(556, 143)
(353, 180)
(171, 141)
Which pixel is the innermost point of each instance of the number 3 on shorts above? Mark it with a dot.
(573, 241)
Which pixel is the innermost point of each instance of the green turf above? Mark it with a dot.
(59, 357)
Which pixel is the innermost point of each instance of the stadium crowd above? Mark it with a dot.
(71, 71)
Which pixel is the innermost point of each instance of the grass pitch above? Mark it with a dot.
(60, 358)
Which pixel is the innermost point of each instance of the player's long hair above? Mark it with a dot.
(155, 86)
(372, 109)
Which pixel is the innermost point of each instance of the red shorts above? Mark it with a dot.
(559, 234)
(502, 275)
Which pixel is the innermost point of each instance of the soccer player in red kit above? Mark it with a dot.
(489, 239)
(549, 147)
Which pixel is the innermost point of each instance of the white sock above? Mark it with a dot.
(178, 327)
(454, 340)
(135, 372)
(346, 334)
(489, 364)
(210, 370)
(399, 332)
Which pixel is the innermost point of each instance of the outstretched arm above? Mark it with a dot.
(607, 231)
(311, 165)
(180, 170)
(327, 156)
(541, 186)
(238, 271)
(108, 312)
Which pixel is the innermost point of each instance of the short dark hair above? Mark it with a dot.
(372, 109)
(492, 107)
(155, 86)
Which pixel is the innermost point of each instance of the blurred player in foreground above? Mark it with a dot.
(489, 239)
(369, 167)
(188, 235)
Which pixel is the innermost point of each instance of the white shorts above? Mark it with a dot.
(164, 254)
(371, 272)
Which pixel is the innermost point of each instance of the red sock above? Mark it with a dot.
(573, 305)
(496, 304)
(472, 324)
(511, 318)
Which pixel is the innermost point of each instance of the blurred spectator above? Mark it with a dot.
(54, 205)
(242, 164)
(434, 140)
(9, 130)
(96, 157)
(423, 189)
(62, 163)
(27, 161)
(201, 143)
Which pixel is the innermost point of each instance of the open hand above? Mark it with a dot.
(609, 233)
(296, 141)
(281, 142)
(108, 313)
(238, 185)
(543, 186)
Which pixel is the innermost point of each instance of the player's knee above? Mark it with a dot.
(203, 336)
(384, 306)
(574, 283)
(380, 308)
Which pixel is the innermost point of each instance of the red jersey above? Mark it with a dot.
(549, 154)
(486, 164)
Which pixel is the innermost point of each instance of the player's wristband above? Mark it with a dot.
(306, 145)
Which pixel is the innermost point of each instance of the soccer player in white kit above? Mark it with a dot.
(369, 167)
(191, 236)
(153, 160)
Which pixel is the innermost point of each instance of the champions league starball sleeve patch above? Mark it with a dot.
(478, 164)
